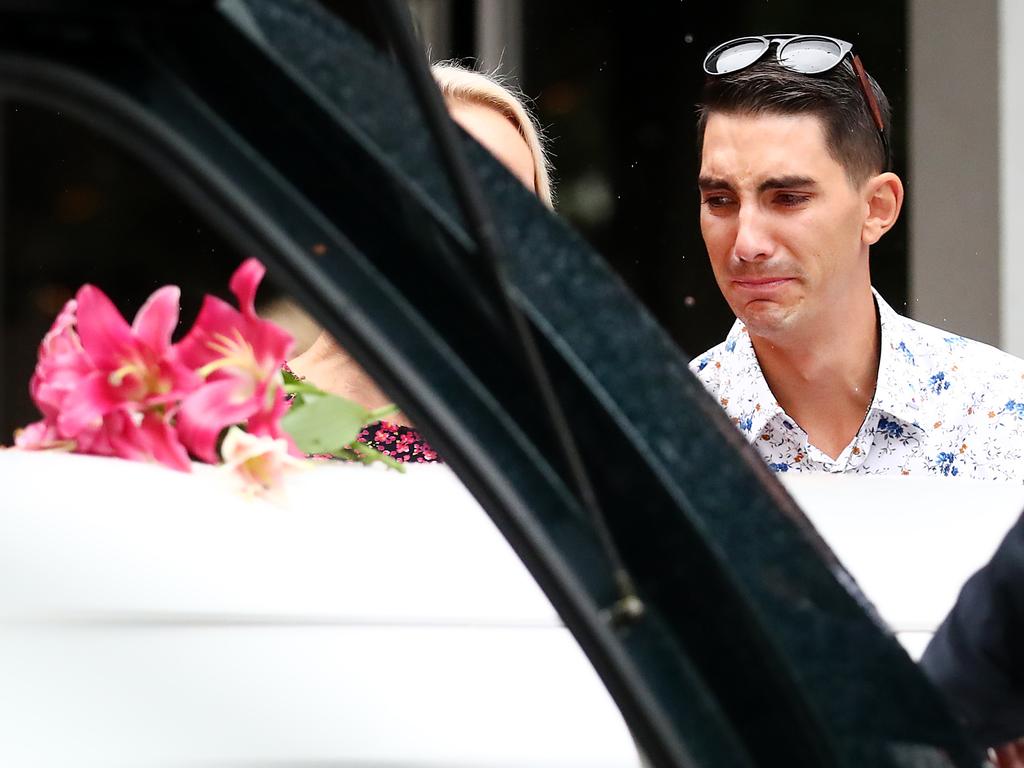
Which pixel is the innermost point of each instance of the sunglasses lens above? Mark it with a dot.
(810, 55)
(734, 55)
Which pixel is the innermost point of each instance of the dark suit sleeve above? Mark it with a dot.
(977, 656)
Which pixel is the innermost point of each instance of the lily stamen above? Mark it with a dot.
(235, 352)
(116, 378)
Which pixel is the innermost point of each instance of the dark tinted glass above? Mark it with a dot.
(616, 84)
(81, 209)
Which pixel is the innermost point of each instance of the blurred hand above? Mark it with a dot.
(1010, 755)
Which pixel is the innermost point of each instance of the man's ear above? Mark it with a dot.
(883, 195)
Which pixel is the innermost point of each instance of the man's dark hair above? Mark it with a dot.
(835, 97)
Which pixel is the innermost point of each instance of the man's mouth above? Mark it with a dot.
(761, 283)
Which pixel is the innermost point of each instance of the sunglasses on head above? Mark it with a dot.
(806, 54)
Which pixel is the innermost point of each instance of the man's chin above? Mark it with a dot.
(767, 318)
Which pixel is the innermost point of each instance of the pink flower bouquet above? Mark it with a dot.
(108, 388)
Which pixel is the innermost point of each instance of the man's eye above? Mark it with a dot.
(717, 201)
(790, 199)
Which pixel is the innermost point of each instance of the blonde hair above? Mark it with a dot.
(460, 84)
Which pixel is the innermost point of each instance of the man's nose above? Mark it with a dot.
(753, 241)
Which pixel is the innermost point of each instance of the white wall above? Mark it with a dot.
(499, 36)
(1011, 139)
(953, 196)
(433, 22)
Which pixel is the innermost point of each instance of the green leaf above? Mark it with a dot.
(323, 423)
(379, 414)
(299, 390)
(301, 387)
(368, 455)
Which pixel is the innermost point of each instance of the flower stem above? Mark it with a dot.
(379, 413)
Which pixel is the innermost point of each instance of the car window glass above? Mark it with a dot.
(79, 209)
(440, 630)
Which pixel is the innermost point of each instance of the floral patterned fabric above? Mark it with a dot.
(398, 441)
(943, 405)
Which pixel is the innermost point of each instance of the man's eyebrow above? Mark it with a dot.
(786, 182)
(710, 182)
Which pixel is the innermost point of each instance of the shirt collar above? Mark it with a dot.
(744, 365)
(899, 386)
(897, 390)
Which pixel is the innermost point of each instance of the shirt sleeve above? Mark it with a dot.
(976, 658)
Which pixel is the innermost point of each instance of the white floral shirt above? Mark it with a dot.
(943, 405)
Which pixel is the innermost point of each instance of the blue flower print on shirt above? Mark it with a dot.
(938, 382)
(1017, 409)
(888, 428)
(953, 408)
(906, 352)
(945, 464)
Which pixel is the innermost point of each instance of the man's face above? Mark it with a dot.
(782, 223)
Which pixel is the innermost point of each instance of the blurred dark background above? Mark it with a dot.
(617, 85)
(614, 85)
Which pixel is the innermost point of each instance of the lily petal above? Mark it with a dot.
(154, 324)
(101, 328)
(86, 405)
(206, 412)
(259, 463)
(62, 337)
(37, 436)
(272, 344)
(244, 283)
(216, 318)
(123, 438)
(267, 421)
(162, 443)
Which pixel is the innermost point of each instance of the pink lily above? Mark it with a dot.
(240, 356)
(62, 363)
(59, 370)
(109, 388)
(40, 436)
(258, 462)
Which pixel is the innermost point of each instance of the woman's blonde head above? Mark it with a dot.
(460, 84)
